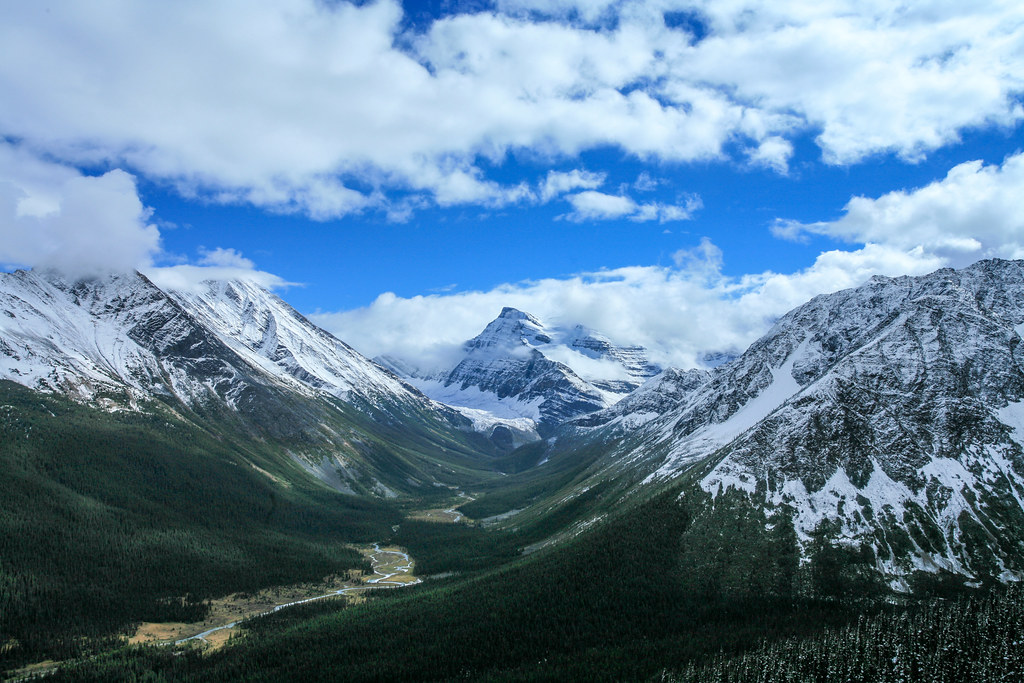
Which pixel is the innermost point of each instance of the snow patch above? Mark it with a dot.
(588, 368)
(782, 388)
(705, 441)
(476, 399)
(1013, 414)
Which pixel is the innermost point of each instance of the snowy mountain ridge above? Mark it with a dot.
(122, 332)
(892, 413)
(518, 368)
(268, 332)
(239, 359)
(889, 417)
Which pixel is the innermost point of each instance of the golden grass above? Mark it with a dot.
(240, 606)
(448, 516)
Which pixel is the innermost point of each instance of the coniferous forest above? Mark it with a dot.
(109, 519)
(100, 532)
(112, 519)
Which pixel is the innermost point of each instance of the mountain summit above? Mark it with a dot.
(512, 328)
(523, 375)
(124, 334)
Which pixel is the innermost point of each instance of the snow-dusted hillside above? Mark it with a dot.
(237, 356)
(122, 333)
(892, 413)
(112, 336)
(272, 335)
(519, 369)
(894, 410)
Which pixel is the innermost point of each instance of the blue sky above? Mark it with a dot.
(675, 173)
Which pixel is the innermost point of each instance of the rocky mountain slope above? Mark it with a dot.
(230, 353)
(519, 374)
(269, 333)
(890, 417)
(886, 419)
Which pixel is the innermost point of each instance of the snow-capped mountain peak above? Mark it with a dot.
(121, 334)
(267, 331)
(512, 328)
(519, 367)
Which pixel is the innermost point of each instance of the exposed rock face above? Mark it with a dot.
(231, 353)
(122, 333)
(518, 368)
(893, 411)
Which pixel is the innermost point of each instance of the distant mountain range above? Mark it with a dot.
(519, 378)
(888, 418)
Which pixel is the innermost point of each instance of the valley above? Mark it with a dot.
(214, 488)
(512, 341)
(391, 568)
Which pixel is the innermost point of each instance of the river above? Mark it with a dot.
(387, 564)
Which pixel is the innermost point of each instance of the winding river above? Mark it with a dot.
(384, 569)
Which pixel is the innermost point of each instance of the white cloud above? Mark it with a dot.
(52, 216)
(668, 212)
(558, 183)
(327, 109)
(189, 278)
(704, 259)
(873, 76)
(679, 313)
(684, 312)
(645, 183)
(773, 152)
(591, 205)
(220, 256)
(972, 213)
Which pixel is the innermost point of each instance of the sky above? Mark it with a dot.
(672, 173)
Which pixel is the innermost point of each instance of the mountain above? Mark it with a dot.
(260, 327)
(237, 357)
(870, 442)
(887, 419)
(519, 374)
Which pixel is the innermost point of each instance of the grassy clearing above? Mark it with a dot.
(237, 607)
(438, 515)
(240, 606)
(452, 514)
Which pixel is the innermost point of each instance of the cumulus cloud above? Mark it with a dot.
(558, 183)
(872, 76)
(224, 257)
(972, 213)
(684, 312)
(680, 313)
(704, 259)
(333, 108)
(646, 183)
(773, 152)
(190, 278)
(219, 263)
(592, 205)
(691, 309)
(54, 217)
